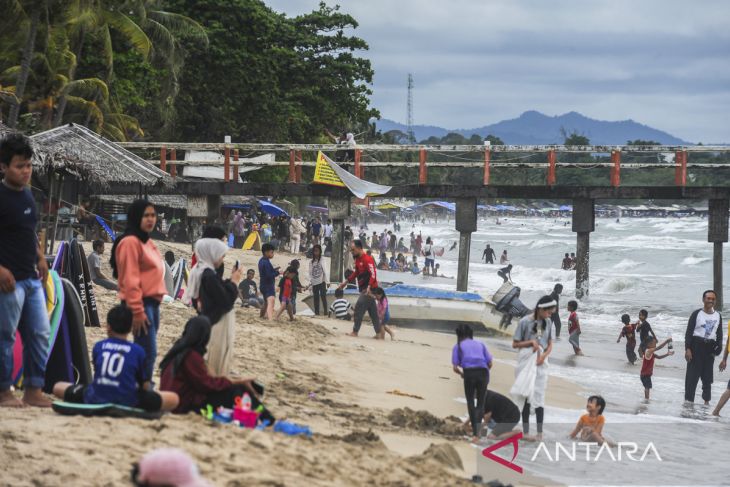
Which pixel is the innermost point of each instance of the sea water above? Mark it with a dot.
(662, 265)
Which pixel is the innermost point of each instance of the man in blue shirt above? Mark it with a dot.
(119, 372)
(23, 269)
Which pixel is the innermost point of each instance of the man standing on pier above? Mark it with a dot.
(702, 342)
(366, 281)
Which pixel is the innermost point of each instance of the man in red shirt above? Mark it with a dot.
(366, 276)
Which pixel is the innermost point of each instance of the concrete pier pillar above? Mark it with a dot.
(339, 210)
(584, 222)
(466, 223)
(717, 233)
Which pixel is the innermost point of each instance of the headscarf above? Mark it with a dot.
(208, 251)
(135, 213)
(195, 337)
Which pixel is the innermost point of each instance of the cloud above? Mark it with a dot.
(660, 62)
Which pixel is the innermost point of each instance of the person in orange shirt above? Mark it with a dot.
(138, 266)
(590, 426)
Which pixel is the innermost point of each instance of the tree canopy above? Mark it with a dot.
(192, 70)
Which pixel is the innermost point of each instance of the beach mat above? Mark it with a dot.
(109, 410)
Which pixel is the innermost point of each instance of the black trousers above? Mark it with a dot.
(539, 415)
(366, 303)
(475, 390)
(700, 368)
(227, 397)
(320, 293)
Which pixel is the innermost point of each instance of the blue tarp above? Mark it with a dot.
(237, 206)
(441, 204)
(566, 208)
(403, 290)
(271, 208)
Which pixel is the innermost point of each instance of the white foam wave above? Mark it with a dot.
(628, 264)
(694, 260)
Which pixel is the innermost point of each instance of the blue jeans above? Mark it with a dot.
(24, 310)
(148, 341)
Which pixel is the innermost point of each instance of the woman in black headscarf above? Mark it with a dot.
(139, 267)
(183, 371)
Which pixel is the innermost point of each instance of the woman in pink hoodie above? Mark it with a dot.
(138, 266)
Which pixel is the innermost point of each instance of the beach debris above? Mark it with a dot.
(445, 454)
(312, 395)
(397, 392)
(280, 375)
(292, 429)
(361, 437)
(424, 421)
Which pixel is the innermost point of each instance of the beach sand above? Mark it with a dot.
(314, 375)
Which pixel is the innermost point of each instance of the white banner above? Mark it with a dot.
(358, 187)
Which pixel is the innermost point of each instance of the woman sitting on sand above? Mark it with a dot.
(184, 372)
(213, 297)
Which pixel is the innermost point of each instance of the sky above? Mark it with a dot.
(664, 63)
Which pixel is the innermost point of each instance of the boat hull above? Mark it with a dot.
(433, 313)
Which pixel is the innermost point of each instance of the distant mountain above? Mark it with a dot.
(535, 128)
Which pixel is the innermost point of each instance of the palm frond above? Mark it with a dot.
(179, 25)
(90, 87)
(129, 29)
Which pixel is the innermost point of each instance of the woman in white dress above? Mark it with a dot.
(534, 339)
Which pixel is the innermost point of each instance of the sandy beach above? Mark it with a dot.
(341, 387)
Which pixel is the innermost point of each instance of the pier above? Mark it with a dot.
(422, 157)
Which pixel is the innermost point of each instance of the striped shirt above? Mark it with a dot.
(340, 307)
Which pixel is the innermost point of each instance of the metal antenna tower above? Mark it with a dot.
(409, 119)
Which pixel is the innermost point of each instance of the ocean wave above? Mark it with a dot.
(695, 259)
(628, 264)
(617, 285)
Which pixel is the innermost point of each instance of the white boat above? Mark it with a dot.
(434, 308)
(412, 279)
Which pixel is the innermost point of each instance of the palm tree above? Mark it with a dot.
(150, 31)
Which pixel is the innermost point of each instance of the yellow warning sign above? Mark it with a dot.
(324, 174)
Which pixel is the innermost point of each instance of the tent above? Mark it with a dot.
(317, 209)
(271, 208)
(566, 208)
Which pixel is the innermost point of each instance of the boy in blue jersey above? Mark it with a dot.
(119, 372)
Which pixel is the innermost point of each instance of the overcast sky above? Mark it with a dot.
(664, 63)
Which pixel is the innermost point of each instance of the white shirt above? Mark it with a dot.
(328, 231)
(706, 325)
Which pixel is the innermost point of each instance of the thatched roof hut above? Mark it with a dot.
(94, 159)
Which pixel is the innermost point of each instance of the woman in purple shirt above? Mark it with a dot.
(472, 361)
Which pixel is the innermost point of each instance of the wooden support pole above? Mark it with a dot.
(173, 166)
(552, 161)
(466, 223)
(163, 158)
(299, 167)
(584, 222)
(422, 171)
(227, 164)
(717, 233)
(292, 168)
(358, 155)
(616, 168)
(487, 160)
(234, 171)
(339, 210)
(680, 171)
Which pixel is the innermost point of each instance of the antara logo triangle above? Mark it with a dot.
(487, 452)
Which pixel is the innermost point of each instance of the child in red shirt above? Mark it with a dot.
(647, 366)
(285, 297)
(574, 327)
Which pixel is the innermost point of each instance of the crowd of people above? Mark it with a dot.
(535, 337)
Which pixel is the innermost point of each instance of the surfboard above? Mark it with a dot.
(253, 242)
(74, 312)
(77, 278)
(90, 294)
(178, 276)
(106, 228)
(169, 283)
(60, 364)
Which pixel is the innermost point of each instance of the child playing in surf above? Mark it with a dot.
(119, 372)
(267, 275)
(590, 426)
(647, 366)
(629, 332)
(574, 327)
(383, 313)
(285, 297)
